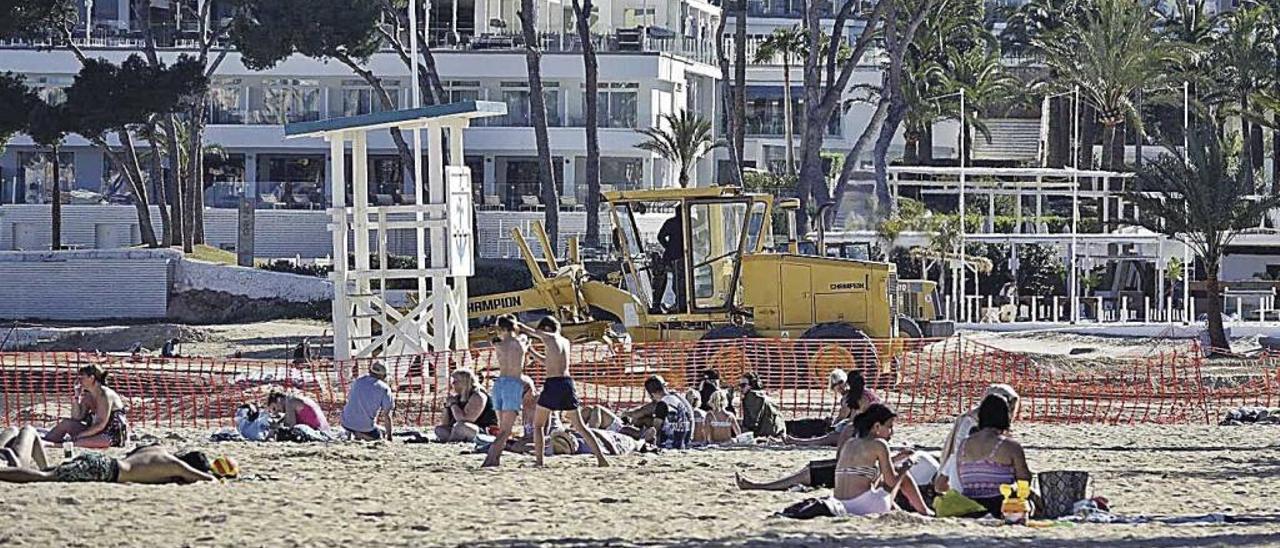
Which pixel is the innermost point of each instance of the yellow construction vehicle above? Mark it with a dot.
(730, 281)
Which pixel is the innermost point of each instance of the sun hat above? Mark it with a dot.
(378, 369)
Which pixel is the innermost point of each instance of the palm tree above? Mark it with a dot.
(980, 73)
(1201, 201)
(1243, 58)
(787, 43)
(1111, 52)
(686, 138)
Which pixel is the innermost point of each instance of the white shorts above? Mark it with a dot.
(873, 502)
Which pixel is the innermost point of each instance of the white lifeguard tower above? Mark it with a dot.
(365, 322)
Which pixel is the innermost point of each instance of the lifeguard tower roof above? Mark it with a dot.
(403, 119)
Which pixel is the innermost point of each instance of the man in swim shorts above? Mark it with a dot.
(509, 388)
(558, 392)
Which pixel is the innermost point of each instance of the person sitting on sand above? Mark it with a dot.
(965, 425)
(989, 457)
(700, 432)
(760, 415)
(468, 411)
(822, 472)
(721, 424)
(838, 382)
(369, 398)
(667, 420)
(297, 409)
(709, 382)
(856, 398)
(867, 477)
(151, 464)
(99, 419)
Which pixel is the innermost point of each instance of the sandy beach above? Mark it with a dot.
(435, 495)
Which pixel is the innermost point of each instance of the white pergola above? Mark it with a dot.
(365, 323)
(1038, 183)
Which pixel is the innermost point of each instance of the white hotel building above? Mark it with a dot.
(655, 57)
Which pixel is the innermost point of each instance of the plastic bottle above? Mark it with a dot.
(68, 448)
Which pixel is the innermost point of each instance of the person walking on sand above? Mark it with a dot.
(370, 397)
(558, 393)
(509, 387)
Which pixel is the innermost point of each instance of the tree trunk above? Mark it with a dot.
(787, 109)
(195, 167)
(1246, 161)
(177, 196)
(1217, 334)
(591, 71)
(132, 173)
(55, 208)
(538, 113)
(1275, 153)
(1059, 153)
(740, 80)
(851, 158)
(1088, 134)
(726, 107)
(911, 147)
(1256, 148)
(924, 147)
(158, 185)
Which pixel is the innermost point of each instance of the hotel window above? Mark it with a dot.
(462, 90)
(360, 98)
(226, 101)
(516, 96)
(36, 172)
(616, 104)
(284, 100)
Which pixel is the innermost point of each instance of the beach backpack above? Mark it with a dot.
(1060, 490)
(808, 509)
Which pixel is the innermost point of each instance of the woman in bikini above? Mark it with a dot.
(989, 457)
(722, 424)
(297, 409)
(98, 419)
(856, 397)
(152, 465)
(468, 411)
(867, 477)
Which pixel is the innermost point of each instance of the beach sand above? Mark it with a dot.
(435, 495)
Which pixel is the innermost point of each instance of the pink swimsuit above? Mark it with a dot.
(311, 415)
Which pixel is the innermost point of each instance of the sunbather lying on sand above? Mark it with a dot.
(152, 465)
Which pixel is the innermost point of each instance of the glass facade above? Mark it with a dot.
(283, 100)
(617, 105)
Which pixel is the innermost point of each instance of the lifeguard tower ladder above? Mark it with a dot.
(366, 322)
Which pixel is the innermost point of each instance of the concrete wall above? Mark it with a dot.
(86, 285)
(278, 233)
(249, 282)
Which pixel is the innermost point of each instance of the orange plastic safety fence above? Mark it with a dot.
(925, 380)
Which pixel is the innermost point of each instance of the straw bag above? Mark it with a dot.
(1060, 490)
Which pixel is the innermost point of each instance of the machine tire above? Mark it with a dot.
(729, 360)
(850, 349)
(909, 329)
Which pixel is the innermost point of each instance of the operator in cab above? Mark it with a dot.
(671, 236)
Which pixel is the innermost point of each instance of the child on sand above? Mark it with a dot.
(509, 388)
(558, 392)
